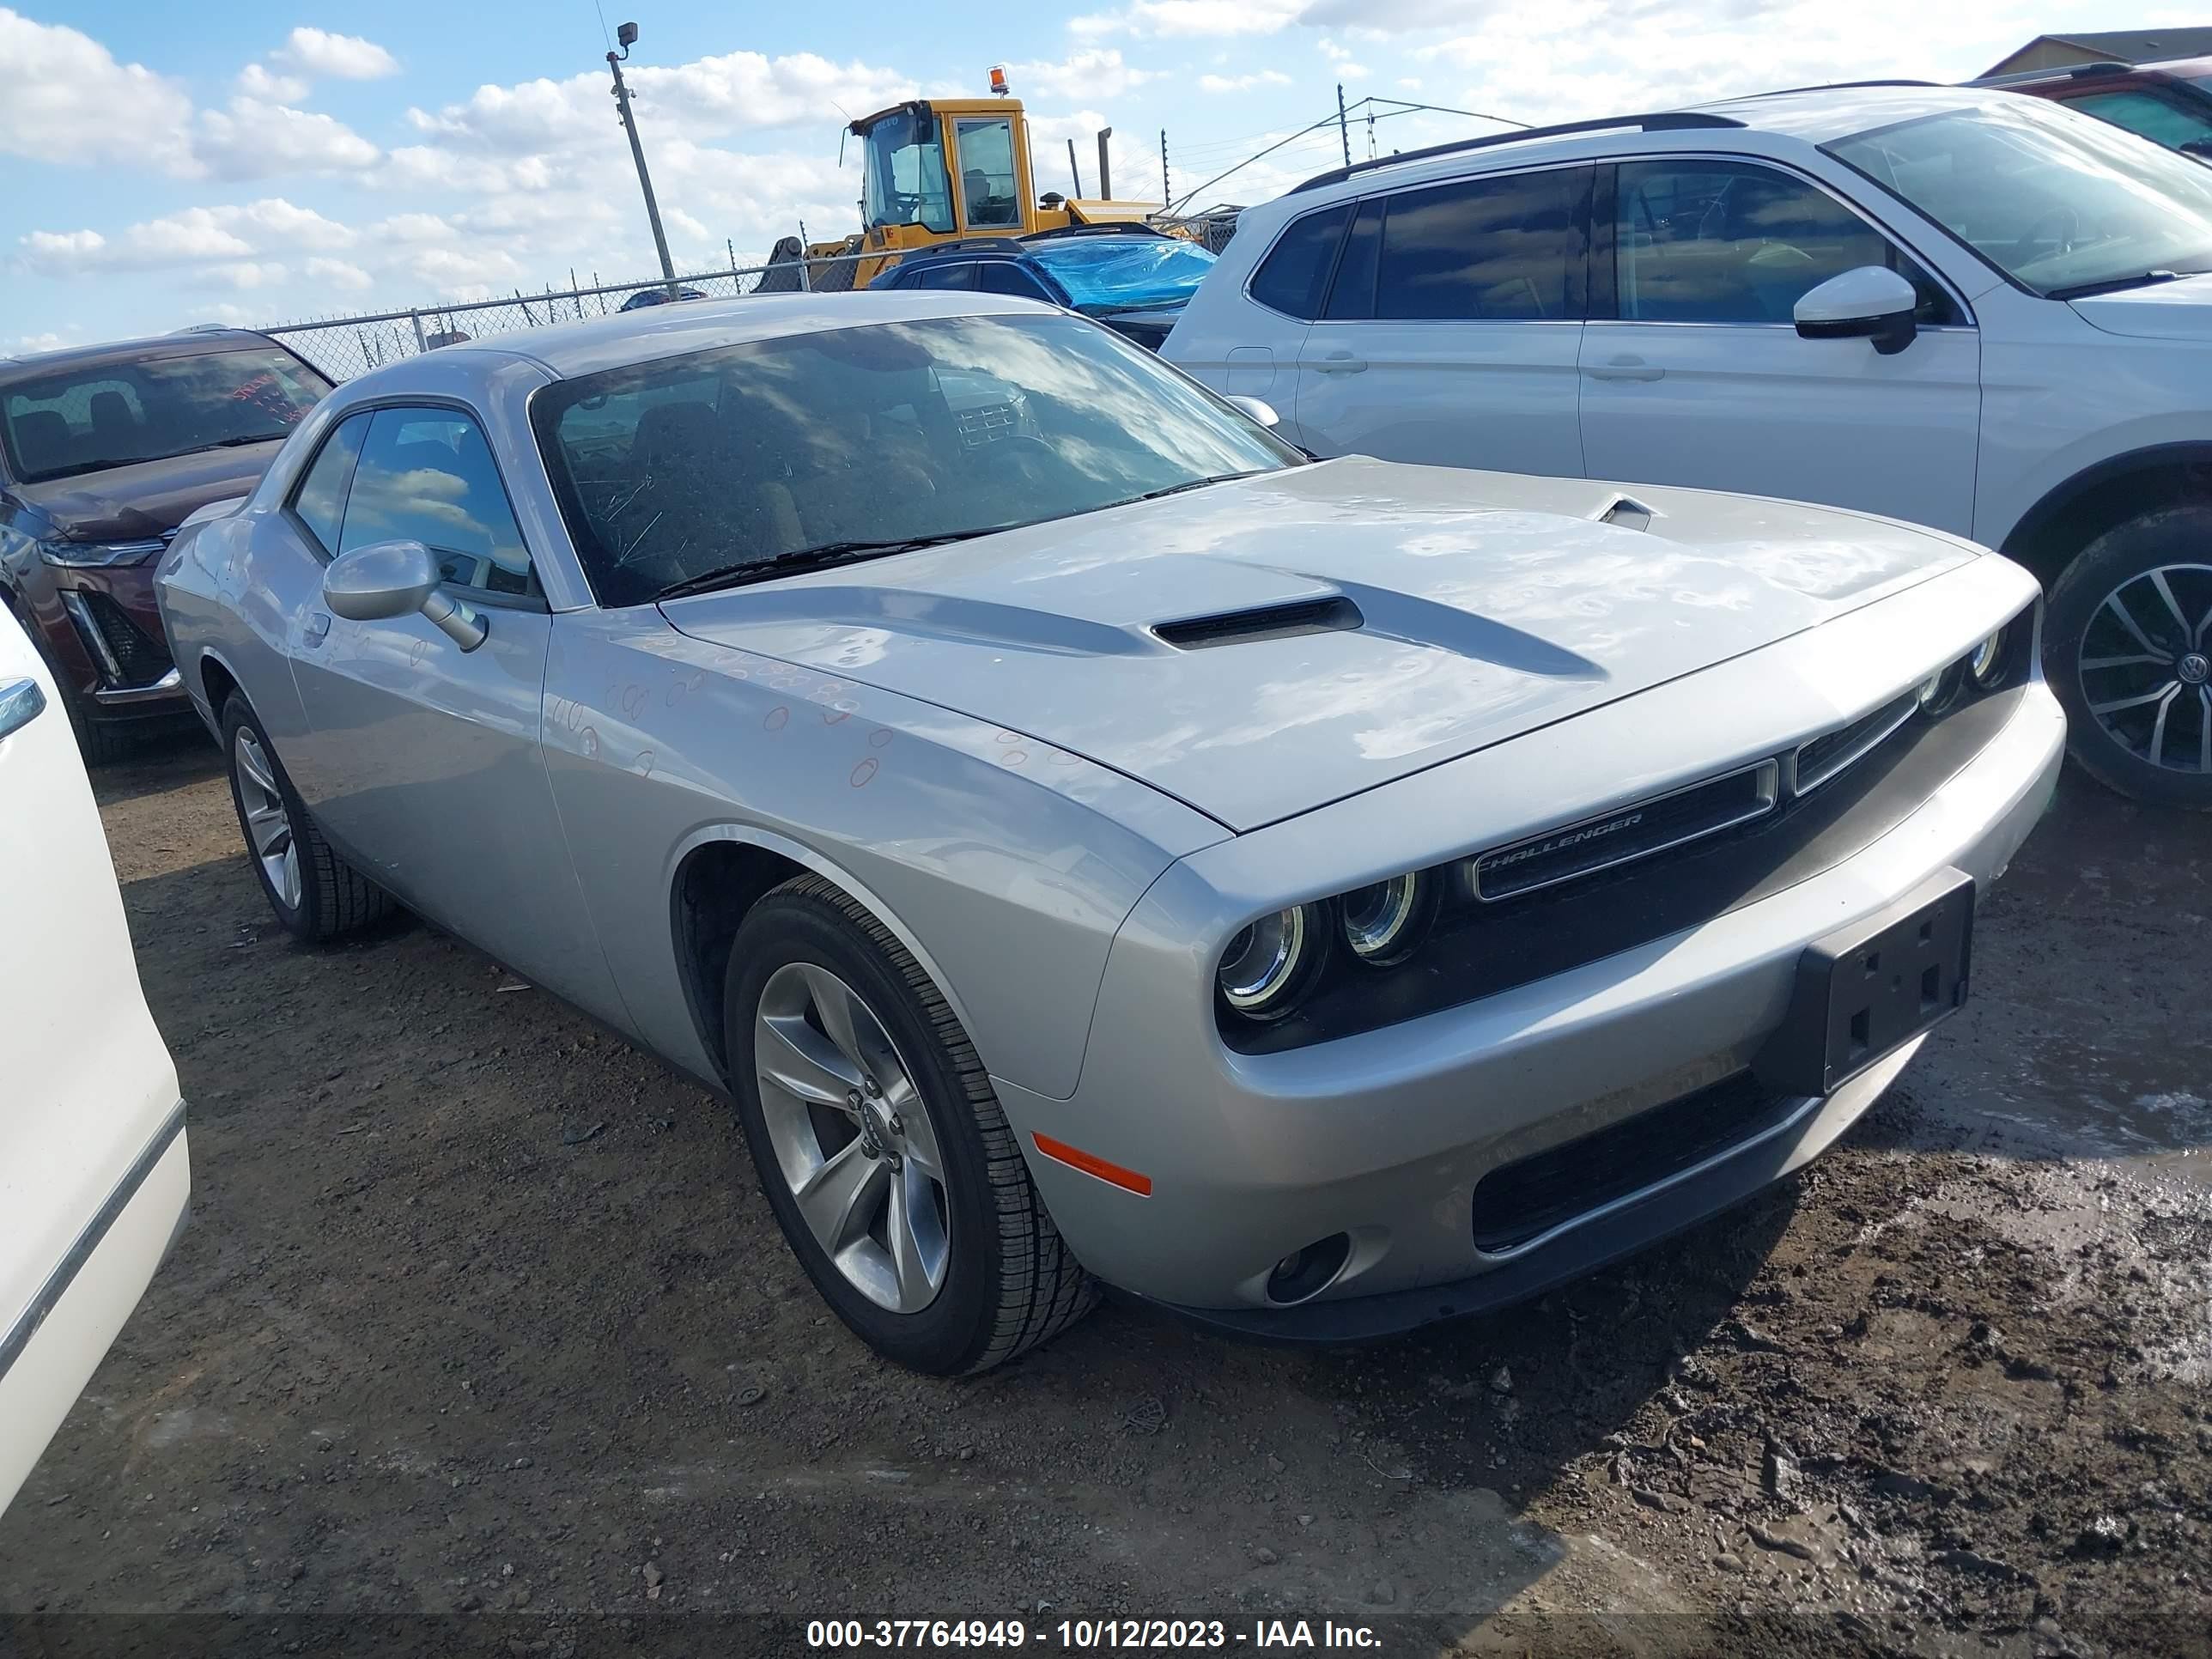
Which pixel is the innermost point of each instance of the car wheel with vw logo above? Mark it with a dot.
(2128, 649)
(880, 1144)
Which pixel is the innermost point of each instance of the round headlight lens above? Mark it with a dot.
(1987, 663)
(1383, 923)
(1268, 963)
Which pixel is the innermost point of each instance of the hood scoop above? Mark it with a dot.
(1274, 621)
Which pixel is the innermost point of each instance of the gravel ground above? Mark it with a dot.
(482, 1311)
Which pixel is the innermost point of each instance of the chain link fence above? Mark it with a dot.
(343, 347)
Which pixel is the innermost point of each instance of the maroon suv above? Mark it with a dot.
(103, 451)
(2169, 104)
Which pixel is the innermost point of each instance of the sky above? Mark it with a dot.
(256, 163)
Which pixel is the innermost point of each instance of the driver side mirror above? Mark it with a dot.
(396, 579)
(2200, 149)
(1869, 302)
(1257, 410)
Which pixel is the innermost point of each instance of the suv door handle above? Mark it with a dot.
(21, 701)
(317, 628)
(1341, 362)
(1623, 368)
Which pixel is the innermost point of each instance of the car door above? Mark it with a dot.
(1693, 371)
(1246, 343)
(1450, 333)
(421, 760)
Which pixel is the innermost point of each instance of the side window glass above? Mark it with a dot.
(988, 192)
(1489, 248)
(1000, 277)
(960, 275)
(2148, 114)
(1723, 242)
(1290, 278)
(1352, 295)
(320, 501)
(427, 475)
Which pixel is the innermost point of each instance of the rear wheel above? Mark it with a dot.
(2128, 649)
(316, 894)
(881, 1145)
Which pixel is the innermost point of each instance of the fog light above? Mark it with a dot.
(1309, 1272)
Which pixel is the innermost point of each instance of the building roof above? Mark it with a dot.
(2123, 46)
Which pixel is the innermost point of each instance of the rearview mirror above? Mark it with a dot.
(1868, 302)
(1259, 410)
(396, 579)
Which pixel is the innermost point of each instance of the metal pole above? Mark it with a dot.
(644, 179)
(1167, 190)
(1075, 172)
(415, 318)
(806, 276)
(1105, 165)
(1343, 129)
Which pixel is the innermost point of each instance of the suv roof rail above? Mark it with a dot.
(1837, 86)
(2068, 72)
(1103, 228)
(1662, 121)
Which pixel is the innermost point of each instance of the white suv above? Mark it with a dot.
(94, 1175)
(1967, 309)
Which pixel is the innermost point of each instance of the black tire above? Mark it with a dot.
(1010, 1281)
(2176, 542)
(335, 899)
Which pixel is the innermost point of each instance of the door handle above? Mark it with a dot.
(1341, 362)
(1623, 368)
(21, 702)
(317, 628)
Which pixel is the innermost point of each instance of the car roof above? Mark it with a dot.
(652, 333)
(191, 344)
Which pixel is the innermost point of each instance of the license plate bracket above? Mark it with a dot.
(1864, 990)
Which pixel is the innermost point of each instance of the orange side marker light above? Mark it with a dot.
(1076, 1158)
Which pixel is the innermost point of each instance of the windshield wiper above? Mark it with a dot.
(1196, 483)
(2116, 284)
(824, 557)
(234, 443)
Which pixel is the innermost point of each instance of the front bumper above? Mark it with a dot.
(103, 633)
(1384, 1136)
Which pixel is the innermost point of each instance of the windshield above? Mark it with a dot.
(669, 470)
(1124, 273)
(2053, 199)
(903, 175)
(90, 419)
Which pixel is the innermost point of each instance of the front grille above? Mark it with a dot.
(1633, 832)
(1835, 752)
(1518, 1201)
(141, 660)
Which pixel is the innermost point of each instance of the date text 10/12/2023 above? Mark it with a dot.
(1083, 1634)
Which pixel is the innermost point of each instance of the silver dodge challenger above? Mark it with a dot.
(1093, 844)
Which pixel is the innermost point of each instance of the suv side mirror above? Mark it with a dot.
(2201, 148)
(1257, 409)
(396, 579)
(1868, 302)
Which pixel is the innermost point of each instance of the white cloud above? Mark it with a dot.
(255, 140)
(1092, 72)
(338, 57)
(62, 250)
(411, 227)
(1222, 83)
(339, 274)
(255, 81)
(69, 102)
(1192, 17)
(47, 340)
(244, 274)
(231, 234)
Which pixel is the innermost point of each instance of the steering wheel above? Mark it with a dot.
(2065, 228)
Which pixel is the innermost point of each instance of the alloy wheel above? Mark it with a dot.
(267, 824)
(853, 1136)
(2146, 667)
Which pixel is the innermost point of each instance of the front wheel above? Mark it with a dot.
(2128, 649)
(316, 894)
(881, 1146)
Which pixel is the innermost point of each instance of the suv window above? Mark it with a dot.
(960, 274)
(1729, 242)
(2161, 119)
(1492, 248)
(427, 475)
(1296, 270)
(999, 277)
(320, 501)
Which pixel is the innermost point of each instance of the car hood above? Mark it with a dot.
(1405, 616)
(2180, 310)
(131, 503)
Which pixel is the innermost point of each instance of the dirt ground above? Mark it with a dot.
(482, 1311)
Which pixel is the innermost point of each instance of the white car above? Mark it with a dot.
(1966, 308)
(94, 1171)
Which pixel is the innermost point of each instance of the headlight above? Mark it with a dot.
(1987, 664)
(1383, 923)
(1269, 964)
(84, 555)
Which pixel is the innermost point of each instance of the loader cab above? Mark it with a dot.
(958, 168)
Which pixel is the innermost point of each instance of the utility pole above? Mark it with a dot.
(1105, 165)
(1167, 190)
(627, 34)
(1343, 128)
